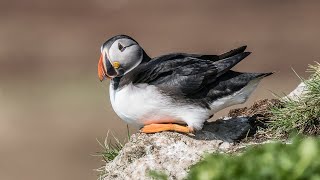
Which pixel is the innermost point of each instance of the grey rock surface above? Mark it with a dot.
(173, 153)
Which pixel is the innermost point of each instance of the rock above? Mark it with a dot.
(300, 90)
(173, 153)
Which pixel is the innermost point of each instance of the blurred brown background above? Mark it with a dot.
(52, 106)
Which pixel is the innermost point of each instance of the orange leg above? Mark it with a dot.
(153, 128)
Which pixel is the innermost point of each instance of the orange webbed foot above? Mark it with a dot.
(154, 128)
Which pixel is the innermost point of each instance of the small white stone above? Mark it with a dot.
(297, 92)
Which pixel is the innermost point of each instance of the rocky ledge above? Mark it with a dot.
(173, 153)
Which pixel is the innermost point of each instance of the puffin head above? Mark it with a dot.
(119, 55)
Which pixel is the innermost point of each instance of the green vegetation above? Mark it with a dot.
(108, 153)
(299, 160)
(110, 150)
(301, 114)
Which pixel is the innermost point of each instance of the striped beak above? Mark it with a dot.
(101, 70)
(110, 70)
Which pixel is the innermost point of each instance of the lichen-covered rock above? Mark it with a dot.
(173, 153)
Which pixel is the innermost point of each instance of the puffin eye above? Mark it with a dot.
(120, 47)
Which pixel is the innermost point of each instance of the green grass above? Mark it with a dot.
(110, 150)
(277, 161)
(301, 114)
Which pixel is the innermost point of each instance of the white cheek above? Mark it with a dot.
(130, 58)
(114, 54)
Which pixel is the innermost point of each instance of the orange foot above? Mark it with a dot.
(153, 128)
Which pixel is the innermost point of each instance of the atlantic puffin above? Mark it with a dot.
(173, 92)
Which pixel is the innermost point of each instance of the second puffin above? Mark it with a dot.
(167, 92)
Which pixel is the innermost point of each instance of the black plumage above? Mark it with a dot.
(192, 78)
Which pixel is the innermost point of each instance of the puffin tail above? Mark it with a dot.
(226, 64)
(233, 52)
(241, 85)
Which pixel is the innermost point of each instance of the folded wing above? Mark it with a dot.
(185, 73)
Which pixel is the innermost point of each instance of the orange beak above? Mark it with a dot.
(101, 71)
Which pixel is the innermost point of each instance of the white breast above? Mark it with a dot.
(144, 104)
